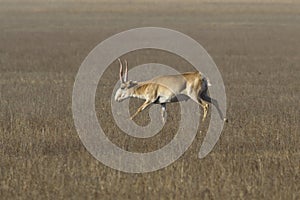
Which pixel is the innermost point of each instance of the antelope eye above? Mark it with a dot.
(123, 87)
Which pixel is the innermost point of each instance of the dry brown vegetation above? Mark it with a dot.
(256, 47)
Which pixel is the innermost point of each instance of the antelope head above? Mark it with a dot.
(124, 91)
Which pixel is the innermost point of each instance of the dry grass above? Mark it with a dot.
(256, 48)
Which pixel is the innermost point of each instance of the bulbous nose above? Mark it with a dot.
(116, 99)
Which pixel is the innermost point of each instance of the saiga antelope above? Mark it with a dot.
(166, 89)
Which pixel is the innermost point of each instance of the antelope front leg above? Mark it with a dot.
(163, 112)
(145, 104)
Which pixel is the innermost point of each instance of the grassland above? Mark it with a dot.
(256, 47)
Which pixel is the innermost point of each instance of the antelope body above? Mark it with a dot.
(165, 89)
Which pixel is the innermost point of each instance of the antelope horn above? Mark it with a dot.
(121, 71)
(126, 71)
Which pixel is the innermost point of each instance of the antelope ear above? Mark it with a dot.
(133, 82)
